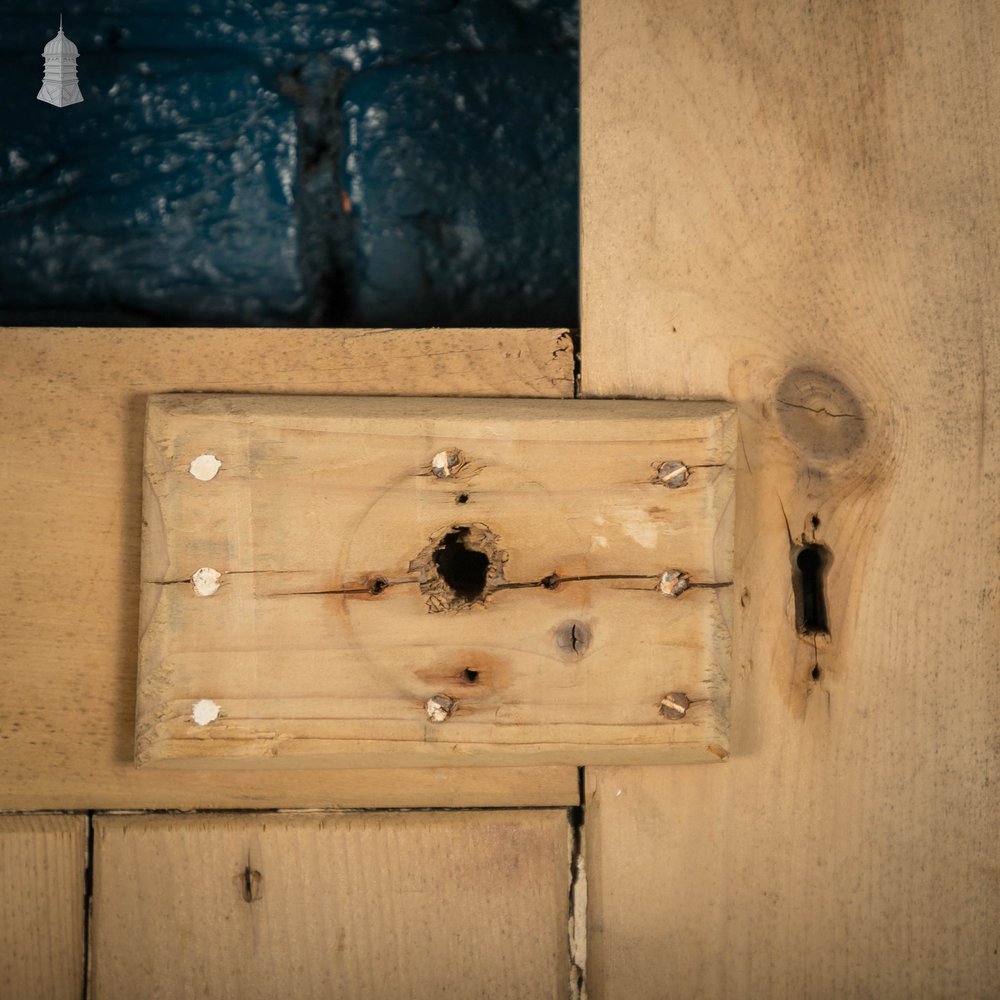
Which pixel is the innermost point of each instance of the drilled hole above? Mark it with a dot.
(809, 565)
(462, 569)
(470, 676)
(462, 498)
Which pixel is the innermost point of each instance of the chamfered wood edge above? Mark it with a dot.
(156, 748)
(176, 754)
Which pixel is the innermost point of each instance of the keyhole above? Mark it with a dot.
(809, 563)
(462, 569)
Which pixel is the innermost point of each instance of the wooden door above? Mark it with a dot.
(794, 206)
(790, 206)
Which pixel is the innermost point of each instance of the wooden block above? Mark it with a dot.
(325, 597)
(43, 860)
(71, 433)
(360, 905)
(795, 206)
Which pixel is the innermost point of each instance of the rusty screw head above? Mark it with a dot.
(673, 475)
(446, 463)
(674, 705)
(439, 707)
(673, 582)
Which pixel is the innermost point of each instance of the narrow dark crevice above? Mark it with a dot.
(577, 903)
(88, 893)
(577, 361)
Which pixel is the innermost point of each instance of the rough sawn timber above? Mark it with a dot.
(362, 905)
(71, 433)
(43, 860)
(795, 206)
(328, 635)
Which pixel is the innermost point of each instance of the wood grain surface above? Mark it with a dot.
(795, 206)
(42, 898)
(71, 431)
(352, 592)
(361, 905)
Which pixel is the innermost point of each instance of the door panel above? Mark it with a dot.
(361, 905)
(794, 206)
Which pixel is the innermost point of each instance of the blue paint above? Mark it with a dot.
(288, 163)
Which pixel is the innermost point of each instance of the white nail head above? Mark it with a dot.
(205, 467)
(204, 712)
(206, 581)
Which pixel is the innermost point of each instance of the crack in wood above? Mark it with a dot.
(551, 582)
(821, 410)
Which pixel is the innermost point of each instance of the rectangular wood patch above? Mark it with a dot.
(374, 582)
(238, 906)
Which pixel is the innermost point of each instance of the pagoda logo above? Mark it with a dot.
(59, 85)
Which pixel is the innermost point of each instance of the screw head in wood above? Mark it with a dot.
(673, 475)
(439, 707)
(673, 582)
(674, 705)
(573, 638)
(446, 463)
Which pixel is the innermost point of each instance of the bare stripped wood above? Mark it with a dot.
(362, 905)
(43, 860)
(796, 206)
(71, 438)
(326, 633)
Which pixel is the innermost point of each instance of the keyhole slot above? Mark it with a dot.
(809, 566)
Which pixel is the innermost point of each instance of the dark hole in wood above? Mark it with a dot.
(809, 565)
(377, 585)
(251, 884)
(470, 676)
(816, 672)
(551, 582)
(462, 498)
(462, 569)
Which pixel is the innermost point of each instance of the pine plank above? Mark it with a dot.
(71, 434)
(318, 496)
(795, 206)
(362, 905)
(43, 860)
